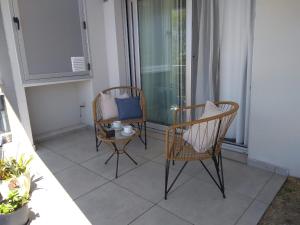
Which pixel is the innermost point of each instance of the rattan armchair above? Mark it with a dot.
(210, 133)
(99, 122)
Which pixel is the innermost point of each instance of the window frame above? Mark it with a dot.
(28, 78)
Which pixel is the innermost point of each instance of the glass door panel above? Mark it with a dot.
(162, 55)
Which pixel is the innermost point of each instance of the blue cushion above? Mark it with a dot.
(129, 108)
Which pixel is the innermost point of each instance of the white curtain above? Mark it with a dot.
(206, 33)
(224, 61)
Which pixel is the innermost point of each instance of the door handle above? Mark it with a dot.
(17, 22)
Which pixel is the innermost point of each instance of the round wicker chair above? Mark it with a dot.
(116, 91)
(209, 132)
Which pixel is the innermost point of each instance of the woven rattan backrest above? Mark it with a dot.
(192, 130)
(117, 91)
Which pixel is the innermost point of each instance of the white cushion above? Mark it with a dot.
(200, 136)
(108, 105)
(124, 95)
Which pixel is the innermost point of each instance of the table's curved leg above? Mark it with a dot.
(116, 152)
(127, 153)
(109, 158)
(130, 158)
(117, 164)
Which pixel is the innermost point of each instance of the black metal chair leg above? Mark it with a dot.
(175, 179)
(222, 174)
(218, 174)
(145, 128)
(97, 146)
(167, 178)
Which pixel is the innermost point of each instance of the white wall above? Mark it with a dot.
(97, 41)
(115, 42)
(275, 110)
(5, 70)
(53, 107)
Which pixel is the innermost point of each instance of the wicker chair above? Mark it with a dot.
(213, 128)
(140, 123)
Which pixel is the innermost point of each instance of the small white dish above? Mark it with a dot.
(127, 129)
(127, 134)
(117, 128)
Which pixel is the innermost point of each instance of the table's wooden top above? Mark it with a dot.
(118, 136)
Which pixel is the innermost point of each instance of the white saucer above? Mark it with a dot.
(128, 134)
(117, 128)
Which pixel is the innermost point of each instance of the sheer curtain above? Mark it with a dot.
(224, 53)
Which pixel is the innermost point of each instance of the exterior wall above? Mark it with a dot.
(5, 70)
(98, 46)
(60, 103)
(53, 107)
(274, 124)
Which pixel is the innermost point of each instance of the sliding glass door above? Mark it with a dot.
(157, 31)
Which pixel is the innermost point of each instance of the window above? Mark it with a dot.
(52, 38)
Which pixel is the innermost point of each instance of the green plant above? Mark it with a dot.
(13, 168)
(13, 202)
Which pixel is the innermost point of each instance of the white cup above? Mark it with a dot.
(116, 124)
(127, 129)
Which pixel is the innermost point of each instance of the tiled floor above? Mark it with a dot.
(136, 197)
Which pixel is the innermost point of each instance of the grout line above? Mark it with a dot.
(93, 189)
(174, 188)
(175, 214)
(76, 164)
(143, 213)
(245, 211)
(240, 217)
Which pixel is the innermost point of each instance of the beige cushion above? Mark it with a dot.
(108, 105)
(201, 136)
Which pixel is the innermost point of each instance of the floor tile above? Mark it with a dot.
(54, 161)
(148, 181)
(201, 203)
(194, 200)
(253, 213)
(193, 168)
(112, 205)
(154, 148)
(271, 188)
(159, 216)
(108, 171)
(77, 180)
(80, 152)
(240, 177)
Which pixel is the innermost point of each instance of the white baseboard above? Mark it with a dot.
(268, 166)
(50, 134)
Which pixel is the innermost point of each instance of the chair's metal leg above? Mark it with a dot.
(97, 146)
(218, 174)
(222, 174)
(167, 178)
(211, 176)
(145, 130)
(140, 127)
(178, 174)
